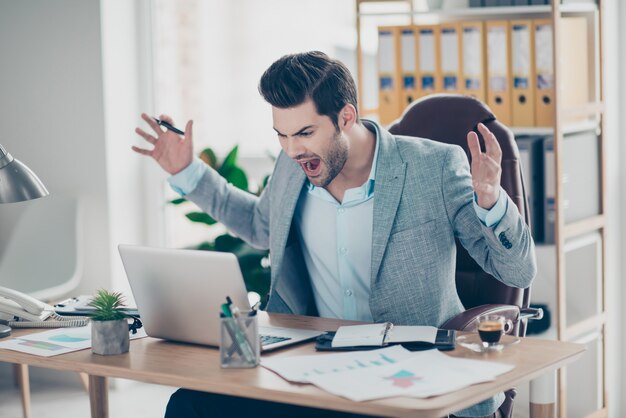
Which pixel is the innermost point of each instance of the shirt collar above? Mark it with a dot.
(369, 184)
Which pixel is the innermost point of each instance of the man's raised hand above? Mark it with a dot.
(172, 151)
(486, 169)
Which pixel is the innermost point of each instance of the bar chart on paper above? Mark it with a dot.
(56, 341)
(299, 369)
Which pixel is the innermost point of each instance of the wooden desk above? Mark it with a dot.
(194, 367)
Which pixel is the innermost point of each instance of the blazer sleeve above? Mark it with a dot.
(243, 213)
(505, 250)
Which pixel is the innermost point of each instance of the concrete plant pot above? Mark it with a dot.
(109, 337)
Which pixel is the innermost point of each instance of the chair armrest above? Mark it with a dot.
(468, 320)
(531, 313)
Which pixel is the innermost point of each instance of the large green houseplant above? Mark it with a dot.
(254, 262)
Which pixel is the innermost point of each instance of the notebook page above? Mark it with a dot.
(355, 335)
(402, 333)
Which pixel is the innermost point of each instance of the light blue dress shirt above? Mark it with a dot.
(336, 238)
(336, 241)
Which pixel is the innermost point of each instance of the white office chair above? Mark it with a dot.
(42, 257)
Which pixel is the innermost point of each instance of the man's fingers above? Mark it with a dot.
(492, 148)
(150, 121)
(167, 119)
(146, 135)
(474, 145)
(142, 151)
(189, 131)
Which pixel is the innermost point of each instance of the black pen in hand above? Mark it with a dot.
(168, 126)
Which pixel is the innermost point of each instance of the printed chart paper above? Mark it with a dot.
(388, 372)
(57, 341)
(301, 369)
(423, 374)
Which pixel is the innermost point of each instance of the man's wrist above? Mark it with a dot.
(489, 201)
(494, 215)
(186, 180)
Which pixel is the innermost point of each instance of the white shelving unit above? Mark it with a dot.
(575, 318)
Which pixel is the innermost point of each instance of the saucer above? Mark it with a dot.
(473, 342)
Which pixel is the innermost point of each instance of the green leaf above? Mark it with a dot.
(228, 243)
(208, 156)
(107, 306)
(206, 246)
(200, 217)
(178, 201)
(237, 177)
(229, 162)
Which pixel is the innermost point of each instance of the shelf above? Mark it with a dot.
(584, 226)
(590, 109)
(583, 328)
(571, 128)
(508, 11)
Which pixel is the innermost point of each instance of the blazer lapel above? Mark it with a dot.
(286, 197)
(390, 175)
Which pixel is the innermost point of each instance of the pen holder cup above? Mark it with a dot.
(240, 346)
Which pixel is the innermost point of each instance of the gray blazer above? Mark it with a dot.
(423, 199)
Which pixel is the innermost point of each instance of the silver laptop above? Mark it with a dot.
(179, 294)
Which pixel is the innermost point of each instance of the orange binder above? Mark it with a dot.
(388, 74)
(450, 53)
(498, 70)
(522, 69)
(408, 66)
(428, 69)
(473, 60)
(544, 73)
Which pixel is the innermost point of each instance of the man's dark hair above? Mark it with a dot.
(295, 78)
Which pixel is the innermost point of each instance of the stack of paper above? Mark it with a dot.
(388, 372)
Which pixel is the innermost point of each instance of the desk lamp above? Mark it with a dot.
(17, 183)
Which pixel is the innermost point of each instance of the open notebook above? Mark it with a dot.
(371, 336)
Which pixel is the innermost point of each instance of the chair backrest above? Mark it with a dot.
(448, 118)
(43, 253)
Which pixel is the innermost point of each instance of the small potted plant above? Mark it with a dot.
(109, 327)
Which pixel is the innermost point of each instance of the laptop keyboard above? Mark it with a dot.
(272, 339)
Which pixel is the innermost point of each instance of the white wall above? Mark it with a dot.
(51, 112)
(127, 85)
(230, 44)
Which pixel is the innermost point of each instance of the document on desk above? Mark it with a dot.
(387, 372)
(301, 368)
(56, 341)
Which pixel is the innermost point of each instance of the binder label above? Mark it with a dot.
(408, 82)
(386, 83)
(520, 82)
(449, 82)
(472, 83)
(449, 58)
(472, 57)
(543, 55)
(497, 58)
(407, 53)
(428, 82)
(520, 44)
(386, 53)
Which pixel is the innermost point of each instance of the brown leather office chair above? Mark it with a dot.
(448, 118)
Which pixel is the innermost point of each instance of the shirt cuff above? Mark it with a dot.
(494, 215)
(185, 181)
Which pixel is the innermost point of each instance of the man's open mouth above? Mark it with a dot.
(311, 167)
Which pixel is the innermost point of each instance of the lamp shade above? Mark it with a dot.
(18, 182)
